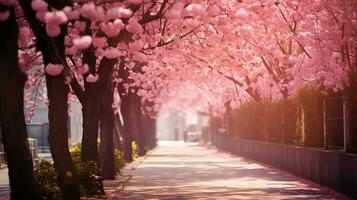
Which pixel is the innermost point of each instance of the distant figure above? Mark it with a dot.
(185, 136)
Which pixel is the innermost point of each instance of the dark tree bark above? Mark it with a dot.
(90, 111)
(137, 122)
(13, 127)
(58, 116)
(152, 131)
(53, 51)
(58, 136)
(107, 119)
(58, 131)
(91, 108)
(125, 112)
(149, 124)
(118, 132)
(127, 138)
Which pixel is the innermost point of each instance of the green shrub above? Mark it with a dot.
(76, 153)
(119, 161)
(88, 173)
(46, 179)
(90, 178)
(135, 153)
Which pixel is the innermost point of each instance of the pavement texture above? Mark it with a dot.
(176, 170)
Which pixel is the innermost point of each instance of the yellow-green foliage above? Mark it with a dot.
(89, 178)
(88, 173)
(46, 179)
(311, 102)
(282, 120)
(76, 153)
(135, 150)
(119, 161)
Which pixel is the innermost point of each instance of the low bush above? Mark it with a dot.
(88, 174)
(119, 161)
(89, 178)
(135, 149)
(46, 179)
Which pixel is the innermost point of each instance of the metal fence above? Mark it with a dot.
(334, 122)
(329, 168)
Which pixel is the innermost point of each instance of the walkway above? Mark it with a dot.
(180, 171)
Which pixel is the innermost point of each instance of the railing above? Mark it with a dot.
(329, 168)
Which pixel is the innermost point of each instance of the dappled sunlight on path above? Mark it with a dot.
(188, 171)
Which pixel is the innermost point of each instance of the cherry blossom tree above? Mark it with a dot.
(172, 54)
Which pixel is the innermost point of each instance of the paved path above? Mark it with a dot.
(180, 171)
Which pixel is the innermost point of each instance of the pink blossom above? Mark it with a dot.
(71, 51)
(80, 25)
(4, 15)
(175, 12)
(242, 14)
(136, 45)
(54, 69)
(135, 1)
(109, 29)
(53, 30)
(99, 42)
(8, 2)
(118, 23)
(41, 16)
(111, 53)
(195, 9)
(83, 69)
(125, 13)
(39, 5)
(191, 23)
(119, 12)
(140, 57)
(23, 38)
(26, 61)
(71, 14)
(88, 10)
(82, 42)
(56, 17)
(67, 80)
(134, 26)
(92, 78)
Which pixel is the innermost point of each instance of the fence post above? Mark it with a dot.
(346, 124)
(325, 131)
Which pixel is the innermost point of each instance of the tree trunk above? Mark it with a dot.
(53, 51)
(13, 127)
(127, 139)
(57, 92)
(106, 145)
(91, 108)
(118, 132)
(58, 136)
(107, 119)
(138, 123)
(125, 111)
(150, 124)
